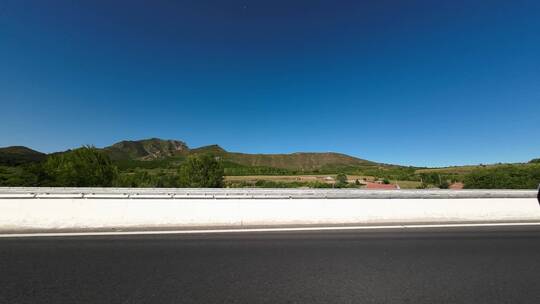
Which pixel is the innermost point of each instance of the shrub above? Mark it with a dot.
(341, 180)
(422, 186)
(201, 171)
(444, 185)
(83, 167)
(504, 177)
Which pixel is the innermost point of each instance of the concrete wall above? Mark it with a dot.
(60, 214)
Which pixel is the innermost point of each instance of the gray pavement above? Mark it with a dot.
(466, 265)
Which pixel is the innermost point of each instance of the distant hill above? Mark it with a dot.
(145, 152)
(158, 149)
(211, 149)
(162, 153)
(17, 155)
(304, 160)
(153, 162)
(146, 149)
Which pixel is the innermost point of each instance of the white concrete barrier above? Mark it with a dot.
(90, 213)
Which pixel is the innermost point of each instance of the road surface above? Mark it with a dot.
(466, 265)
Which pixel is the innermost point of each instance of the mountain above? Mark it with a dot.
(211, 149)
(299, 160)
(303, 160)
(159, 152)
(158, 149)
(146, 149)
(17, 155)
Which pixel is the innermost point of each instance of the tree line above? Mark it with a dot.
(90, 167)
(504, 177)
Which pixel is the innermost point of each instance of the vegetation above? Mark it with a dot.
(83, 167)
(17, 155)
(168, 163)
(341, 180)
(296, 161)
(234, 169)
(437, 180)
(145, 179)
(18, 176)
(277, 184)
(146, 149)
(201, 171)
(506, 177)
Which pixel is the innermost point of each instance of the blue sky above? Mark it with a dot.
(427, 83)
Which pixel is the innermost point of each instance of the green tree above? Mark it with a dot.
(444, 185)
(341, 180)
(504, 177)
(201, 171)
(137, 179)
(83, 167)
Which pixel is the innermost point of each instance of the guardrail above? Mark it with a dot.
(110, 209)
(242, 193)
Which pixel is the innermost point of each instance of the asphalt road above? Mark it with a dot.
(413, 266)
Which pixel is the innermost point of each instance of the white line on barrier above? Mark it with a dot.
(248, 230)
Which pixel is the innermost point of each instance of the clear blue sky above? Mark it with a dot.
(427, 83)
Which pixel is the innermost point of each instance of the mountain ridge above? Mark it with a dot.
(16, 155)
(152, 149)
(142, 150)
(146, 149)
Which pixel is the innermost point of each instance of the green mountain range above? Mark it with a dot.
(154, 162)
(160, 150)
(146, 149)
(16, 155)
(155, 150)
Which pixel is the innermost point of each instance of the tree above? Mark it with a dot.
(444, 185)
(83, 167)
(504, 177)
(341, 180)
(201, 171)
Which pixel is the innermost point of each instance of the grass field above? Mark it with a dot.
(329, 179)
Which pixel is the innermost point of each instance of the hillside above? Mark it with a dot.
(303, 161)
(155, 152)
(16, 155)
(154, 163)
(160, 153)
(211, 149)
(161, 150)
(146, 149)
(462, 170)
